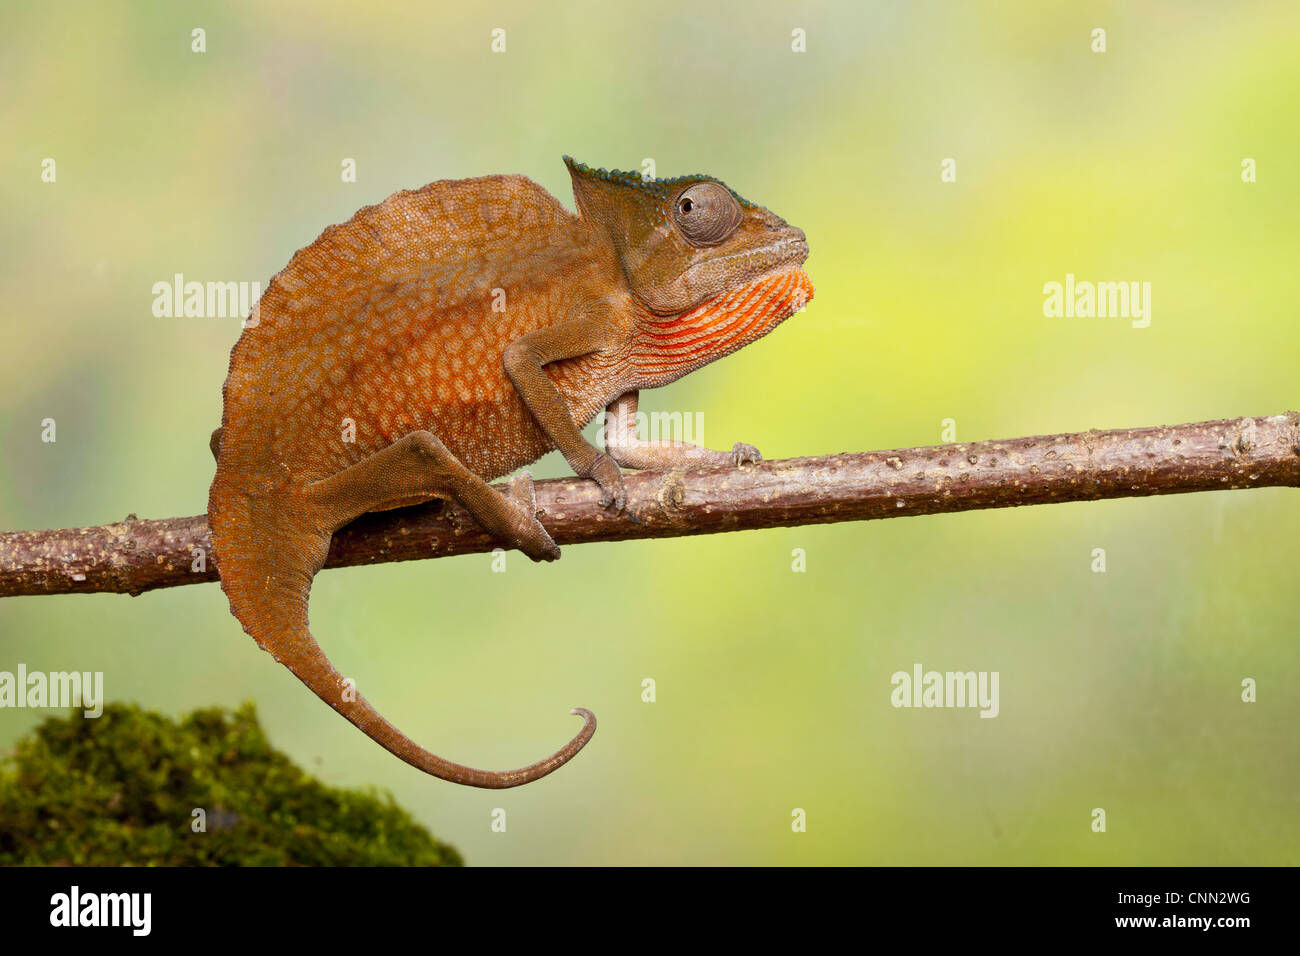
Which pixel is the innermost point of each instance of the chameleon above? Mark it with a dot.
(451, 335)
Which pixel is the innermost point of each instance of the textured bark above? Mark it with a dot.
(133, 556)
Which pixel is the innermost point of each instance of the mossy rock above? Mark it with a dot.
(121, 790)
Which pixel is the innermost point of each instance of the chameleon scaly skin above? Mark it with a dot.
(388, 321)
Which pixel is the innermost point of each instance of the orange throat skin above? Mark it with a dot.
(665, 350)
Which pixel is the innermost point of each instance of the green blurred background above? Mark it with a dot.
(1118, 690)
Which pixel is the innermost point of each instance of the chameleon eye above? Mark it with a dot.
(706, 214)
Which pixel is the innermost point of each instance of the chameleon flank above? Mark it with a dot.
(388, 320)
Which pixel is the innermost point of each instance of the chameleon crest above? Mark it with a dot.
(387, 322)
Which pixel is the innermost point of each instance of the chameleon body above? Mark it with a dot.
(461, 331)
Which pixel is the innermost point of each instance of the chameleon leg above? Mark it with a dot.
(524, 361)
(624, 447)
(419, 467)
(214, 443)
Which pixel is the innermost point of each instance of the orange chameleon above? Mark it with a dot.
(388, 320)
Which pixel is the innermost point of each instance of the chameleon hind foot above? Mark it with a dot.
(530, 536)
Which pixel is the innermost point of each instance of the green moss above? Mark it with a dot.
(121, 789)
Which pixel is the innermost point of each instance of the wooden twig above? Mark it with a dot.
(133, 556)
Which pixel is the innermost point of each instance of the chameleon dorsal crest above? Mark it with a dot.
(388, 321)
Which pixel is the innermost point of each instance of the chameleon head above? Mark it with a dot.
(688, 241)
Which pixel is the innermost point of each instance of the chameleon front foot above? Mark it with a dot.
(605, 472)
(743, 454)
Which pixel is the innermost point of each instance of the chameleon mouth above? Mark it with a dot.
(784, 253)
(794, 246)
(788, 251)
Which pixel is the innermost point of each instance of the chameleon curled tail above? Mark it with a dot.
(267, 565)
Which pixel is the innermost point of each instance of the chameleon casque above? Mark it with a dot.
(388, 320)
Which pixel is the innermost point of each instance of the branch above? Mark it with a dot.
(134, 556)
